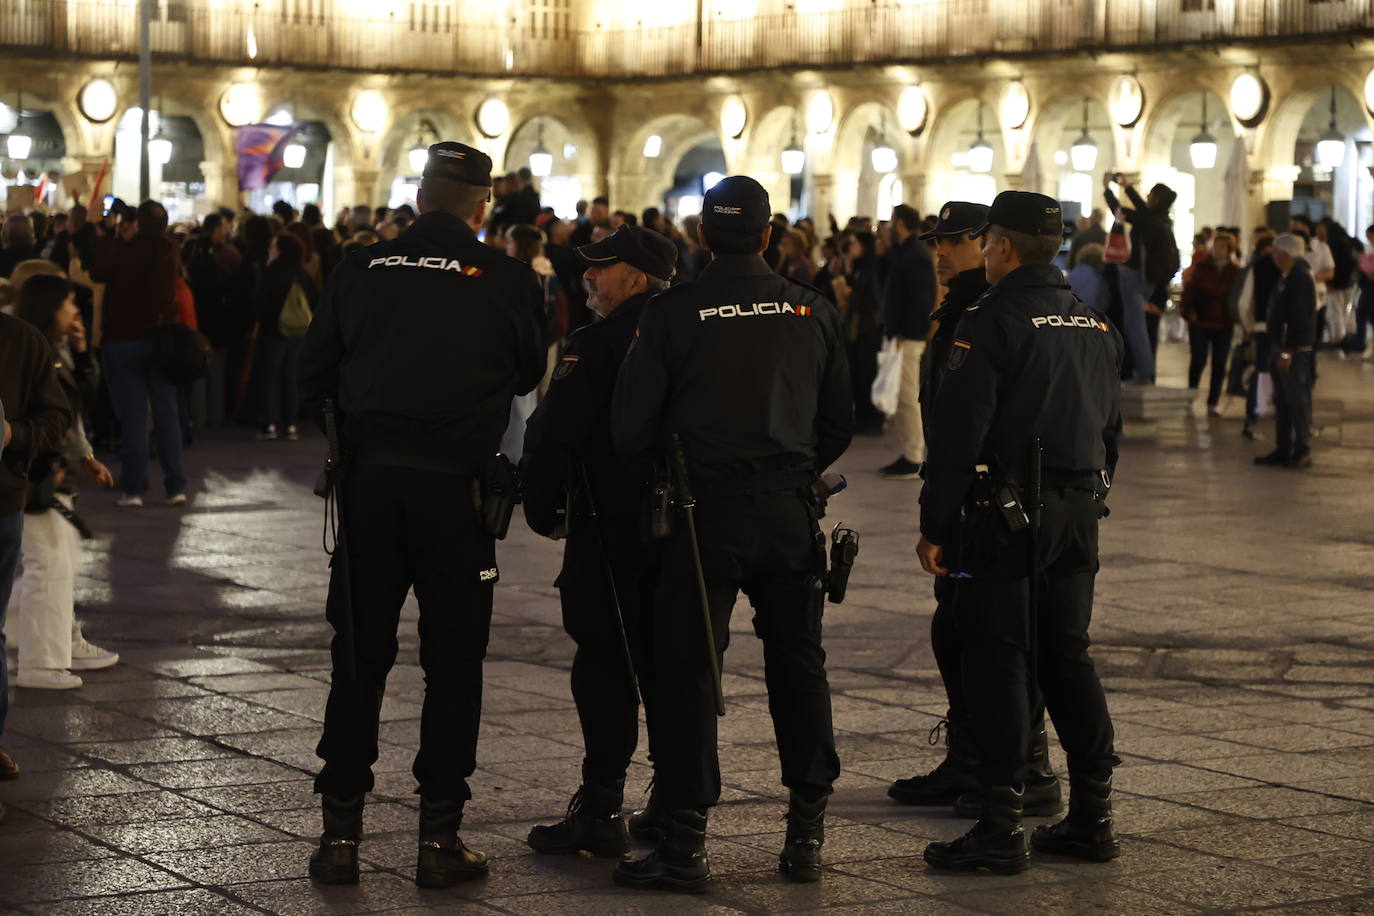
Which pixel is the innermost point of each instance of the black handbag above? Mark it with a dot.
(182, 354)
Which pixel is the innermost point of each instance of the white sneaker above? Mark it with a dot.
(129, 501)
(47, 679)
(177, 499)
(292, 434)
(86, 657)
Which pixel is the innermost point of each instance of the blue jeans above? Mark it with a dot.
(1293, 407)
(1133, 324)
(274, 376)
(11, 533)
(134, 383)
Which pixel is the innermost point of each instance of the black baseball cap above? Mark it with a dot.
(957, 217)
(1023, 211)
(458, 162)
(737, 207)
(642, 248)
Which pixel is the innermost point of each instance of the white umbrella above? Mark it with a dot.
(1235, 187)
(1031, 176)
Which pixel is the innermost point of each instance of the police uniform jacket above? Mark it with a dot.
(1028, 361)
(963, 291)
(572, 426)
(747, 366)
(424, 340)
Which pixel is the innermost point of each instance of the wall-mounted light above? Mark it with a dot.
(1202, 151)
(1015, 108)
(240, 104)
(541, 160)
(1083, 153)
(1126, 101)
(979, 156)
(653, 147)
(793, 157)
(98, 100)
(1249, 99)
(159, 147)
(912, 110)
(734, 115)
(293, 157)
(1331, 147)
(820, 112)
(425, 135)
(493, 118)
(569, 151)
(369, 111)
(710, 180)
(883, 158)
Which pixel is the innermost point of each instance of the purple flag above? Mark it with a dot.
(260, 149)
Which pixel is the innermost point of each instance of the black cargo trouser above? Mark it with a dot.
(944, 639)
(993, 613)
(410, 528)
(763, 544)
(601, 685)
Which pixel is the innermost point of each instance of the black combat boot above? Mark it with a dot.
(593, 824)
(679, 864)
(336, 861)
(649, 824)
(444, 861)
(1087, 833)
(954, 776)
(800, 859)
(996, 843)
(1043, 797)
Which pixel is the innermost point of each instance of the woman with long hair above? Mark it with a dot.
(44, 627)
(281, 287)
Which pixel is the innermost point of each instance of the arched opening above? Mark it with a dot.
(564, 155)
(776, 158)
(697, 172)
(176, 150)
(32, 146)
(406, 150)
(967, 159)
(1333, 155)
(1192, 147)
(870, 150)
(1074, 145)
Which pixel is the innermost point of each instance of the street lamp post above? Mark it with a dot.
(145, 80)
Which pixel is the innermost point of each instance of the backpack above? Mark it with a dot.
(295, 317)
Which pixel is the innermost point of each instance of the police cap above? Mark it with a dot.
(956, 218)
(458, 162)
(737, 207)
(1023, 211)
(641, 248)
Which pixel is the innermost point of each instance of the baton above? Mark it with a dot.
(610, 577)
(334, 473)
(677, 460)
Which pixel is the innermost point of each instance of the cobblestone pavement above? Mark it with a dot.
(1234, 627)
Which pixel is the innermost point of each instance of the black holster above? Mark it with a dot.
(497, 493)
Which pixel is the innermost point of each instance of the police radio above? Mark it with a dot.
(844, 547)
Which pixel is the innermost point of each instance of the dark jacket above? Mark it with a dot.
(746, 366)
(140, 284)
(1207, 292)
(36, 407)
(1154, 253)
(1029, 361)
(909, 293)
(274, 285)
(571, 427)
(1292, 319)
(222, 312)
(423, 341)
(11, 256)
(1093, 235)
(962, 292)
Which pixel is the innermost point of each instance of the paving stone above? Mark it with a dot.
(116, 809)
(189, 833)
(157, 903)
(1258, 840)
(18, 849)
(1219, 887)
(215, 772)
(152, 750)
(89, 878)
(221, 865)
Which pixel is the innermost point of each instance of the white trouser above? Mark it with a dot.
(909, 402)
(1338, 318)
(42, 620)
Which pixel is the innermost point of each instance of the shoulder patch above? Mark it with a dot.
(565, 366)
(958, 353)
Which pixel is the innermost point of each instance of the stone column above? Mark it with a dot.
(821, 203)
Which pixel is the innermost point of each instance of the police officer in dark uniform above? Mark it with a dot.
(748, 369)
(1029, 364)
(570, 466)
(421, 342)
(960, 267)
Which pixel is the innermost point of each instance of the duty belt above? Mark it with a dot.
(775, 481)
(396, 457)
(1056, 479)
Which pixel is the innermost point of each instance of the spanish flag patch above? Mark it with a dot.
(472, 271)
(803, 310)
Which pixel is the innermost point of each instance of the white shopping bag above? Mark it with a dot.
(887, 386)
(1264, 394)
